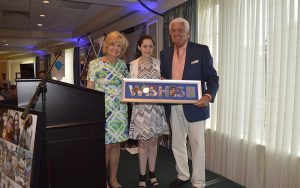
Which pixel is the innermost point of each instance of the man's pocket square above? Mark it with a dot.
(194, 62)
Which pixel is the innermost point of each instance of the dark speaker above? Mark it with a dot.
(27, 70)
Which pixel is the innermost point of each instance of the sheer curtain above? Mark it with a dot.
(208, 34)
(255, 129)
(283, 95)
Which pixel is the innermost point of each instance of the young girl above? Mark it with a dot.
(148, 121)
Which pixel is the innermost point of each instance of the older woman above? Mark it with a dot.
(105, 74)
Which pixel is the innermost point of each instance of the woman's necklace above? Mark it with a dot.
(109, 60)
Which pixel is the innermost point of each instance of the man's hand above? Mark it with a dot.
(203, 102)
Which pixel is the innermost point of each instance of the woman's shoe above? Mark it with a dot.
(153, 179)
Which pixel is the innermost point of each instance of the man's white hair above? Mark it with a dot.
(180, 20)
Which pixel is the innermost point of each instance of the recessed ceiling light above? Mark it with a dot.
(42, 15)
(40, 25)
(6, 44)
(46, 2)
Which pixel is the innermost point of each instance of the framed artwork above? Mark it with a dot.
(58, 70)
(18, 75)
(160, 91)
(152, 30)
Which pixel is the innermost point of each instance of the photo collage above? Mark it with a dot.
(17, 138)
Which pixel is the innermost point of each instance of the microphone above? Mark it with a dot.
(40, 88)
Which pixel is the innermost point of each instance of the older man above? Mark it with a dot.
(185, 60)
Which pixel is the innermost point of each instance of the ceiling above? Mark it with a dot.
(66, 23)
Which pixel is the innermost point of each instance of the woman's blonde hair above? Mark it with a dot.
(115, 36)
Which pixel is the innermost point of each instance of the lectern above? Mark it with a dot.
(72, 152)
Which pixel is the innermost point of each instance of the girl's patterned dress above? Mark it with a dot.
(148, 120)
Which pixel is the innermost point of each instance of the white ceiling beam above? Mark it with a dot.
(107, 16)
(111, 3)
(32, 34)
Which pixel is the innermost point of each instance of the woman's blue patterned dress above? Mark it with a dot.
(107, 78)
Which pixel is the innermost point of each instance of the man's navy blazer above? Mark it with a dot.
(198, 66)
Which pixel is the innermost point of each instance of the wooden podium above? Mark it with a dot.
(71, 131)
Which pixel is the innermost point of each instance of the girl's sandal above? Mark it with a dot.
(142, 181)
(153, 179)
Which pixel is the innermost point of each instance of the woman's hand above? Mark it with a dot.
(90, 84)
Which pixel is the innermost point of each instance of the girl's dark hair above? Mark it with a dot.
(139, 43)
(142, 38)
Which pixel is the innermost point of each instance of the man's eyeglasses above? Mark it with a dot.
(178, 31)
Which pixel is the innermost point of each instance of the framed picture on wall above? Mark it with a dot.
(152, 30)
(18, 75)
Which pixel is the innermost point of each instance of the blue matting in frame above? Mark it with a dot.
(160, 91)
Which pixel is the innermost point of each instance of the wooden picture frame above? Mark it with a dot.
(161, 91)
(18, 75)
